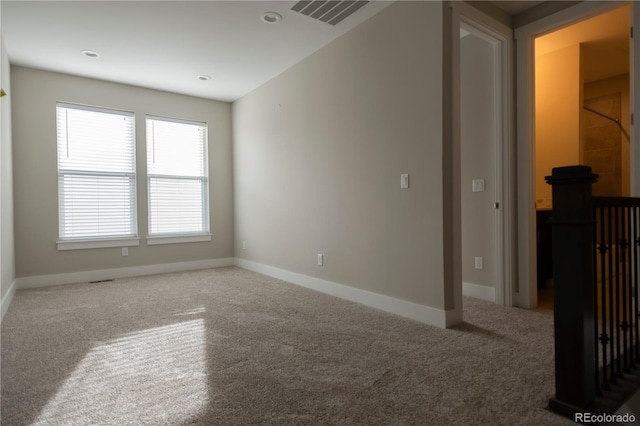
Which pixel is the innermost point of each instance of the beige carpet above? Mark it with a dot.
(231, 347)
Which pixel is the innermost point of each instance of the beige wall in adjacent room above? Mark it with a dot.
(557, 115)
(318, 154)
(7, 250)
(612, 85)
(35, 94)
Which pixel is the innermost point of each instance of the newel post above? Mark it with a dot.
(572, 246)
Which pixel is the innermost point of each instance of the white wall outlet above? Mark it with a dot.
(477, 185)
(244, 245)
(320, 259)
(404, 180)
(125, 251)
(479, 263)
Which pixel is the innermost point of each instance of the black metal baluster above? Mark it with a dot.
(595, 302)
(615, 268)
(632, 319)
(636, 258)
(604, 337)
(622, 272)
(609, 282)
(628, 283)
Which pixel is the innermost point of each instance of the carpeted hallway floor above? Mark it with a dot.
(231, 347)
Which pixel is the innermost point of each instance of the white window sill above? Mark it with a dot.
(98, 243)
(176, 239)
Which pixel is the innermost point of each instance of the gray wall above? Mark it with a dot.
(35, 94)
(478, 135)
(7, 252)
(318, 153)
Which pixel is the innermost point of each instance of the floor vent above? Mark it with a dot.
(330, 12)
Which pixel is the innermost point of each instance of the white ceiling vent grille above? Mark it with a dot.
(330, 12)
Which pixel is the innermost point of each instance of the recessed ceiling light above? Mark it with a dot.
(204, 77)
(271, 17)
(90, 53)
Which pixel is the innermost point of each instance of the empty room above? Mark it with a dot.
(280, 212)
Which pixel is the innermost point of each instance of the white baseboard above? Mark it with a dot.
(414, 311)
(424, 314)
(6, 300)
(482, 292)
(106, 274)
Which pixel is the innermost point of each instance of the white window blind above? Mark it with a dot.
(177, 172)
(96, 173)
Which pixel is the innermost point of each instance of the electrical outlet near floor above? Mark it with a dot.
(125, 251)
(479, 263)
(320, 259)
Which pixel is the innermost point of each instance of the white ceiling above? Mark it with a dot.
(165, 45)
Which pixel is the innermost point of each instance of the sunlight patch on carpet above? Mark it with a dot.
(156, 375)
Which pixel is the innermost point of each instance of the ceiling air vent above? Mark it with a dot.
(330, 12)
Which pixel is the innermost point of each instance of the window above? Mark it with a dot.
(178, 183)
(96, 177)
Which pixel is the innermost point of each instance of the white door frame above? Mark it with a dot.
(526, 291)
(502, 37)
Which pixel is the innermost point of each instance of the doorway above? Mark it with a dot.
(484, 155)
(581, 83)
(479, 138)
(580, 61)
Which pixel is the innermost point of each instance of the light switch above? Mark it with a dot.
(404, 180)
(477, 185)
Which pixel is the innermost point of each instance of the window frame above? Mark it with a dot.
(180, 237)
(97, 241)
